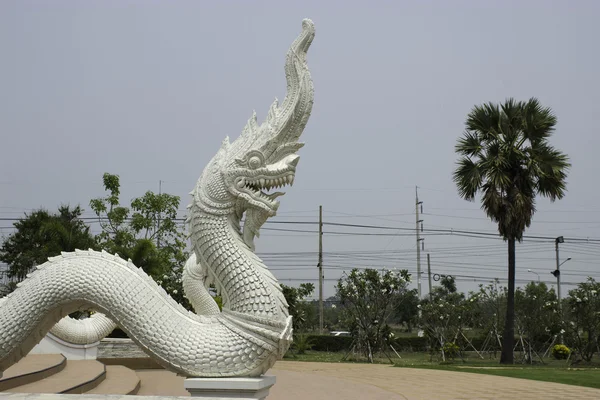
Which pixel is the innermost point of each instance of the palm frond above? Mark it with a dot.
(485, 121)
(551, 166)
(468, 178)
(538, 122)
(491, 201)
(510, 121)
(469, 145)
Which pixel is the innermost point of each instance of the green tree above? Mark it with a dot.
(40, 235)
(536, 315)
(583, 314)
(505, 156)
(489, 311)
(407, 309)
(297, 306)
(146, 232)
(369, 298)
(331, 313)
(444, 314)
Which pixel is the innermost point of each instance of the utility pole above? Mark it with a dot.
(556, 273)
(320, 266)
(429, 273)
(417, 203)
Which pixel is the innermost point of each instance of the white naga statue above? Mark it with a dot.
(253, 329)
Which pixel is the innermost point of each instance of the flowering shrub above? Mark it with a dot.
(537, 319)
(583, 315)
(489, 310)
(561, 352)
(369, 298)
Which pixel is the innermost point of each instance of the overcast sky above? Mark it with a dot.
(148, 90)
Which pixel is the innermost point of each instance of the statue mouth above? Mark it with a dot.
(261, 185)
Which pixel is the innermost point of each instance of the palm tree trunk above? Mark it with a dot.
(508, 340)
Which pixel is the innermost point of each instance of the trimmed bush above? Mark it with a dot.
(330, 343)
(451, 349)
(343, 343)
(400, 343)
(410, 343)
(560, 352)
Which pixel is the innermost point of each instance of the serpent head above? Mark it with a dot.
(242, 178)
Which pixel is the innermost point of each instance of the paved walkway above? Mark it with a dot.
(413, 384)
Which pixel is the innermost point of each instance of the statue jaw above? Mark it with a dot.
(252, 186)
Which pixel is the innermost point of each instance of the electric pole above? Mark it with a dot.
(320, 266)
(429, 273)
(558, 240)
(419, 244)
(556, 273)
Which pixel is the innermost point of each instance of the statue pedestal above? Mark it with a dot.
(51, 344)
(230, 388)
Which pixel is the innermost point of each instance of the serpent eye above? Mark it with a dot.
(254, 162)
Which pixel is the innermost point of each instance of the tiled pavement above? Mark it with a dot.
(321, 381)
(417, 384)
(326, 381)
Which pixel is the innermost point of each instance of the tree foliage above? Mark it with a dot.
(146, 232)
(407, 309)
(444, 315)
(583, 313)
(505, 156)
(42, 234)
(489, 311)
(298, 307)
(369, 298)
(537, 317)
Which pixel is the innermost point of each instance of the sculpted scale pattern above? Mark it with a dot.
(254, 329)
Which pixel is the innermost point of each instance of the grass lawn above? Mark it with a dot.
(589, 377)
(551, 371)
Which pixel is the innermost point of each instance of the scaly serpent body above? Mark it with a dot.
(254, 328)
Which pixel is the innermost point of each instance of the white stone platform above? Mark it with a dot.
(51, 344)
(230, 388)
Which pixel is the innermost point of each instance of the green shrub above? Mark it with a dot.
(343, 343)
(451, 349)
(330, 343)
(560, 352)
(410, 343)
(302, 343)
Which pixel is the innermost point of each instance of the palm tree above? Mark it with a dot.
(506, 157)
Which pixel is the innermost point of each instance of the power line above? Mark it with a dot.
(535, 221)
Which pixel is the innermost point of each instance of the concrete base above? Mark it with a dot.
(230, 388)
(50, 344)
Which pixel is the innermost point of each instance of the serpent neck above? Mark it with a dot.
(245, 283)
